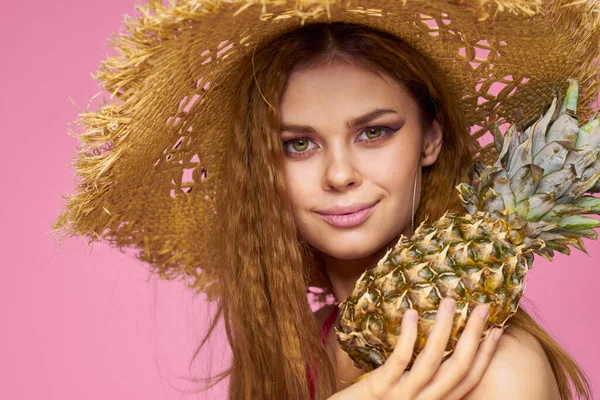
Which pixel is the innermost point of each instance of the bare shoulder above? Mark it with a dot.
(519, 369)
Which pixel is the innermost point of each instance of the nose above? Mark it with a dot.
(341, 172)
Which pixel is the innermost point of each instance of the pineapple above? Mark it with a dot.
(530, 201)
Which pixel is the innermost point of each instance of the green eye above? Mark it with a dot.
(370, 131)
(303, 143)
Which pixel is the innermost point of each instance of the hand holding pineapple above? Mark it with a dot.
(530, 201)
(453, 379)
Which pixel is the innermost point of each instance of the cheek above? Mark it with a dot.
(393, 170)
(394, 183)
(297, 186)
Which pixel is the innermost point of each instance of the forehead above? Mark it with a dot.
(341, 90)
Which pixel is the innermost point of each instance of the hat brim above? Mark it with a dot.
(153, 152)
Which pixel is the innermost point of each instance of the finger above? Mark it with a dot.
(468, 343)
(431, 356)
(480, 365)
(403, 351)
(453, 371)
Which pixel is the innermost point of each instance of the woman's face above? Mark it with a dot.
(340, 151)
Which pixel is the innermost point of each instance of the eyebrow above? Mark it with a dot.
(351, 123)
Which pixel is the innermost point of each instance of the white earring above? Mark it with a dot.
(412, 219)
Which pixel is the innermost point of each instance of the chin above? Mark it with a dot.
(348, 249)
(349, 255)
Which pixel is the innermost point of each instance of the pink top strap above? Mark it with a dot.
(323, 333)
(327, 324)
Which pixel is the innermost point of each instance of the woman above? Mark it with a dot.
(324, 75)
(235, 190)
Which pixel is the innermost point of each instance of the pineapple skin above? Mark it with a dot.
(466, 257)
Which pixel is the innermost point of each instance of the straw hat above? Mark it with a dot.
(150, 156)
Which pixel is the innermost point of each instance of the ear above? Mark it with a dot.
(432, 144)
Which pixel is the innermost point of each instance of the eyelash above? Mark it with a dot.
(387, 132)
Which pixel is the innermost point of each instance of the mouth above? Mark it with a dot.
(349, 220)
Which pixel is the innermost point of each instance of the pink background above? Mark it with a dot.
(92, 326)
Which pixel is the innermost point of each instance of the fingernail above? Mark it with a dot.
(450, 304)
(484, 311)
(413, 316)
(497, 334)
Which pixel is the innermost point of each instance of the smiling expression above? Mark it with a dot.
(351, 136)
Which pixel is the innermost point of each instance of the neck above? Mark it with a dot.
(343, 274)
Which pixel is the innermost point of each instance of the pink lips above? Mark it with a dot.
(348, 220)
